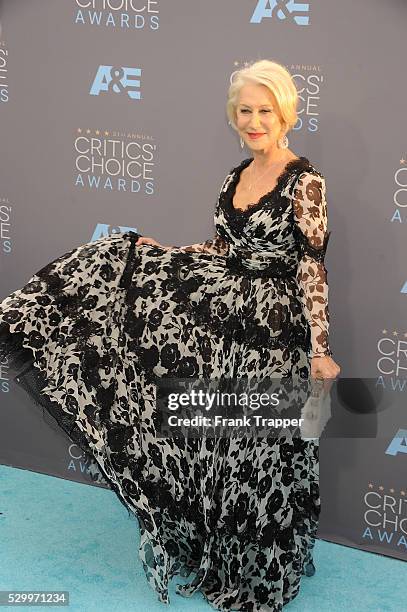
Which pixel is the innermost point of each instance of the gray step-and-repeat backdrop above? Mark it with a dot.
(113, 117)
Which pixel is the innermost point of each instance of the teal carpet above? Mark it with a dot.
(57, 534)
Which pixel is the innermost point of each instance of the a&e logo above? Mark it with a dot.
(102, 230)
(118, 80)
(283, 10)
(398, 444)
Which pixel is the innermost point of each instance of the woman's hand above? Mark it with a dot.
(324, 368)
(147, 240)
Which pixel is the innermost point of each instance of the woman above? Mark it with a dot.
(93, 330)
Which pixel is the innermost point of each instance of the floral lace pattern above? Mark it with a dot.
(307, 191)
(310, 213)
(90, 333)
(216, 246)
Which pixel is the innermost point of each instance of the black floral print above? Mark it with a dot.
(93, 330)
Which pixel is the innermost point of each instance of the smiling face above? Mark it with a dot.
(257, 113)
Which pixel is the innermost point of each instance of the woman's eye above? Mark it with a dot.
(245, 110)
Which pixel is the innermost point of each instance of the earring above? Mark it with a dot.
(241, 142)
(282, 142)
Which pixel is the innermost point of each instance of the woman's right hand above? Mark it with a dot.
(147, 240)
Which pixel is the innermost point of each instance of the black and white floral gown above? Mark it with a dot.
(91, 331)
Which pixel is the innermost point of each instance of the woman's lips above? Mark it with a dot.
(254, 136)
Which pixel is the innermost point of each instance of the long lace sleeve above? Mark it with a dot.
(216, 246)
(310, 230)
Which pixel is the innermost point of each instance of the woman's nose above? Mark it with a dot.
(255, 120)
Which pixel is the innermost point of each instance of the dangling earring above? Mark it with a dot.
(241, 142)
(282, 142)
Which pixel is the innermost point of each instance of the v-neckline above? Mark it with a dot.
(254, 205)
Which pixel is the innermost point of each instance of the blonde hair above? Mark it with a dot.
(279, 82)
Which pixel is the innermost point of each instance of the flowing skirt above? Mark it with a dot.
(89, 336)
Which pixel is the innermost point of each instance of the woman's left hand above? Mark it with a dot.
(324, 368)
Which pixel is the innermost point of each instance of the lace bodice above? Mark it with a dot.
(291, 217)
